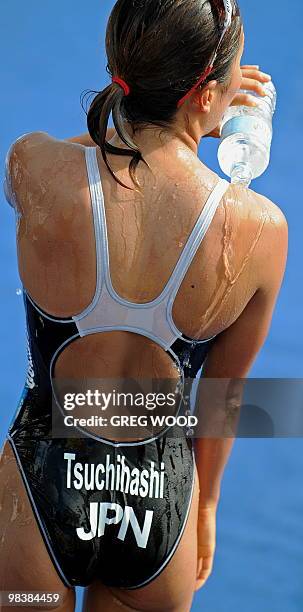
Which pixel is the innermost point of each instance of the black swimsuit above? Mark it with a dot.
(113, 511)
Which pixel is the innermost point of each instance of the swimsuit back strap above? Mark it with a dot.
(97, 200)
(195, 239)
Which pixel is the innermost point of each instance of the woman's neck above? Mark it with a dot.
(150, 138)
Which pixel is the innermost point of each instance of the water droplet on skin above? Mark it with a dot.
(15, 508)
(19, 291)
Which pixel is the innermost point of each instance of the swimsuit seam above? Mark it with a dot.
(37, 515)
(137, 330)
(44, 314)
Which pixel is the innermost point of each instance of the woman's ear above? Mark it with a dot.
(204, 98)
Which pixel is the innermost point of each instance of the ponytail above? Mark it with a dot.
(107, 101)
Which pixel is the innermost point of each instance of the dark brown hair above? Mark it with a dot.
(160, 48)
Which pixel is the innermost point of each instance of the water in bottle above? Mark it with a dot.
(246, 136)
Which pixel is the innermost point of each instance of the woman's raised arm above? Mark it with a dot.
(87, 141)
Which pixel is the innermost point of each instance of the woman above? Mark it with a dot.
(115, 304)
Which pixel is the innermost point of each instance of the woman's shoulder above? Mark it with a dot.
(248, 203)
(25, 153)
(256, 205)
(23, 144)
(255, 217)
(35, 157)
(15, 164)
(31, 145)
(265, 222)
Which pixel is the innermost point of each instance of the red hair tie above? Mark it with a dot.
(123, 84)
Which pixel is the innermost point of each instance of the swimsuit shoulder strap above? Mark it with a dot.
(195, 239)
(97, 200)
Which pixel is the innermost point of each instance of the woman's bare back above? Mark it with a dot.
(56, 244)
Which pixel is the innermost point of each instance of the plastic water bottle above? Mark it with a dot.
(246, 136)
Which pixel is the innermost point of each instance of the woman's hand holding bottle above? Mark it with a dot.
(252, 80)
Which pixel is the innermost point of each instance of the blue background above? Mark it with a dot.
(52, 52)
